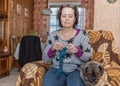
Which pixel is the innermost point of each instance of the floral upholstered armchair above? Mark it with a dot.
(104, 51)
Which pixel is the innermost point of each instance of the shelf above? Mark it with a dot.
(2, 54)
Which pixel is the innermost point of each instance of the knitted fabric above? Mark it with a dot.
(62, 55)
(81, 40)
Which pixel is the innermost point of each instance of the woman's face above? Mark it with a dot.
(67, 17)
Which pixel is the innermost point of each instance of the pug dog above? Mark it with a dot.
(92, 73)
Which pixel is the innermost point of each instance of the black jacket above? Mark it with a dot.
(30, 50)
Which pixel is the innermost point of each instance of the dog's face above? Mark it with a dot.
(92, 72)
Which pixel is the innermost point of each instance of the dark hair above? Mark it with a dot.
(75, 11)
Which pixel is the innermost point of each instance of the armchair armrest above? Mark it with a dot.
(32, 74)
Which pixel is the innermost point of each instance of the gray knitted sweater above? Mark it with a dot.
(70, 62)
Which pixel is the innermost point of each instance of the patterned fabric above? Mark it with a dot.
(32, 74)
(104, 51)
(39, 20)
(103, 81)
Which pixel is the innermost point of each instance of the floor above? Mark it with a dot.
(11, 79)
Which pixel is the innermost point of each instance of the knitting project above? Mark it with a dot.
(62, 55)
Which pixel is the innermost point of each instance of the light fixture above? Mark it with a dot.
(46, 11)
(111, 1)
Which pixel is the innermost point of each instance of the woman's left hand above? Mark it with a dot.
(71, 48)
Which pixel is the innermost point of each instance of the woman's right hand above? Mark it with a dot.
(57, 46)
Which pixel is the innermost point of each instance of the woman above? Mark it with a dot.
(74, 46)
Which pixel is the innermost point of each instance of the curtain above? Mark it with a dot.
(89, 6)
(39, 20)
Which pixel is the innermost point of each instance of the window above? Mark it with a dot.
(53, 25)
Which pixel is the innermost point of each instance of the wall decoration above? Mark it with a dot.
(111, 1)
(11, 5)
(19, 7)
(26, 12)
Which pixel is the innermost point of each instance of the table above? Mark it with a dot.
(4, 63)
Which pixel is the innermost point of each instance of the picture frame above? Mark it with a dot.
(26, 12)
(11, 5)
(19, 9)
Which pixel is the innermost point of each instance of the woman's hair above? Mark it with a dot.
(75, 11)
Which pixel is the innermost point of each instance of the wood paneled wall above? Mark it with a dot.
(17, 23)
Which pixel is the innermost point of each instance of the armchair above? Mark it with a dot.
(104, 51)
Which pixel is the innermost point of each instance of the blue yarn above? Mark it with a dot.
(62, 55)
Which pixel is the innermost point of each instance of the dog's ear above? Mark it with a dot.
(101, 68)
(84, 70)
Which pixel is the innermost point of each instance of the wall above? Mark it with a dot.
(19, 24)
(107, 16)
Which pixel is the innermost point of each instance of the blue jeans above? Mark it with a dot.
(66, 79)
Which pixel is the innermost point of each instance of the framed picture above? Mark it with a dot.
(26, 13)
(19, 7)
(11, 5)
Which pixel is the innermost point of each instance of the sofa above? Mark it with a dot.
(104, 51)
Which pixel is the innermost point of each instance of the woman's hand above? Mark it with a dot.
(57, 46)
(71, 48)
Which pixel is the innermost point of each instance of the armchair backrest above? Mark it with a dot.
(103, 45)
